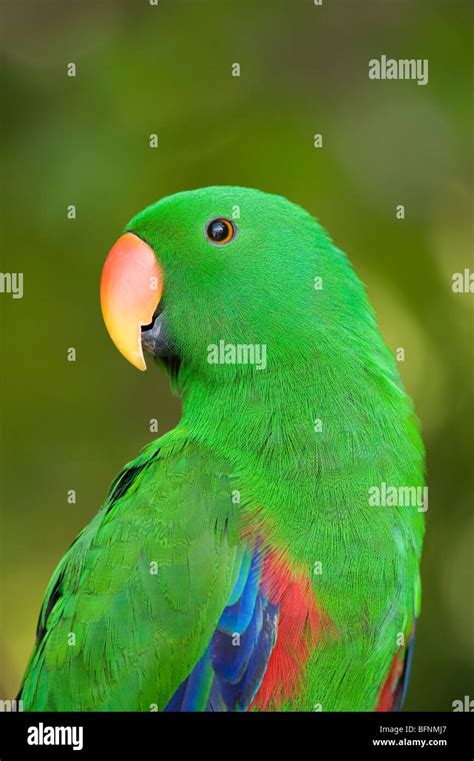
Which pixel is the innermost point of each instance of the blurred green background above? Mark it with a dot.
(85, 141)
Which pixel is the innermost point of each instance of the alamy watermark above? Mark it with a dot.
(463, 282)
(237, 354)
(42, 734)
(399, 496)
(12, 283)
(11, 706)
(404, 68)
(465, 704)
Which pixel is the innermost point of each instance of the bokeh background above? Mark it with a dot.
(166, 69)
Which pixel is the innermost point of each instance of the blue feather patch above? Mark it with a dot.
(230, 672)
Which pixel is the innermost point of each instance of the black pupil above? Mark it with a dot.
(218, 230)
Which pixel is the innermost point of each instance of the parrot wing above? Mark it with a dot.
(231, 670)
(135, 602)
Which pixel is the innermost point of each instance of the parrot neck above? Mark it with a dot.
(293, 437)
(246, 417)
(304, 402)
(286, 420)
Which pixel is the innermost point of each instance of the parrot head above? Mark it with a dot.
(227, 266)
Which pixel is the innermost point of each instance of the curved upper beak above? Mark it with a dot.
(130, 290)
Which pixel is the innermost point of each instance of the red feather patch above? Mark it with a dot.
(299, 624)
(387, 693)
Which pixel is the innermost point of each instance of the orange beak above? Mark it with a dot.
(130, 290)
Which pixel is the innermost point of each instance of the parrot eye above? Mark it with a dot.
(220, 231)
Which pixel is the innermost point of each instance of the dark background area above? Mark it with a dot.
(84, 140)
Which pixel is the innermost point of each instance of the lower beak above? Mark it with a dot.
(130, 291)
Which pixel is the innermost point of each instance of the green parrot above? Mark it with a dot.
(264, 554)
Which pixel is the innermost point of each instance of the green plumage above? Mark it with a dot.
(246, 454)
